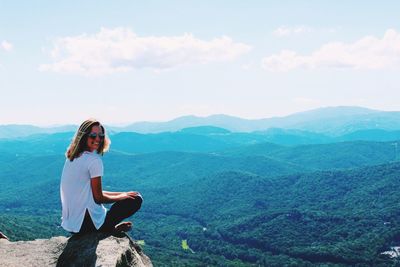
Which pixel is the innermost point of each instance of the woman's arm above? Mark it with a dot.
(112, 193)
(101, 196)
(133, 193)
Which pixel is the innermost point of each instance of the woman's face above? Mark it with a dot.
(95, 137)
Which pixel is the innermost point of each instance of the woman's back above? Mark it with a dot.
(76, 192)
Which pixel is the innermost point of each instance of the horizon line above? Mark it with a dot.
(124, 124)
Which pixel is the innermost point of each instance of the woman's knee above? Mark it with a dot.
(139, 201)
(134, 203)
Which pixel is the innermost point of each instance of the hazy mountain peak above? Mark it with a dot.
(338, 110)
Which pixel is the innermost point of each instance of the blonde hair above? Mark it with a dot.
(79, 142)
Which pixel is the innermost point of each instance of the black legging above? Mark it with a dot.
(119, 211)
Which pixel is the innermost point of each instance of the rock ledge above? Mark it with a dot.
(97, 249)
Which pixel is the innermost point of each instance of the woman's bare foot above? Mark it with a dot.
(3, 236)
(123, 227)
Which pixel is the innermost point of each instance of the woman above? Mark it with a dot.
(81, 190)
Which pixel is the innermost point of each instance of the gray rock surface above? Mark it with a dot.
(97, 249)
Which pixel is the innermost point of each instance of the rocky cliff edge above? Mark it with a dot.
(97, 249)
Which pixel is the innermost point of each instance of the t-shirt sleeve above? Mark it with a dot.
(96, 168)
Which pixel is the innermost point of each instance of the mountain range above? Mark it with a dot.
(272, 196)
(331, 121)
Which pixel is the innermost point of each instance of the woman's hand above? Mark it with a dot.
(131, 194)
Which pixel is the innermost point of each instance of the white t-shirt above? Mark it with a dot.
(76, 192)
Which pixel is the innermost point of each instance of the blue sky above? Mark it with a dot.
(125, 61)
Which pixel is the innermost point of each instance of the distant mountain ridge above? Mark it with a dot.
(313, 120)
(332, 121)
(24, 130)
(329, 120)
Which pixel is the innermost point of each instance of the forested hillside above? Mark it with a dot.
(239, 204)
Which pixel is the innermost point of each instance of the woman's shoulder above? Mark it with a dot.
(91, 156)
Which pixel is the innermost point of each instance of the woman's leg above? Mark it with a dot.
(119, 211)
(3, 236)
(87, 225)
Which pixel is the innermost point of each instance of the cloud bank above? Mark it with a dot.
(366, 53)
(120, 49)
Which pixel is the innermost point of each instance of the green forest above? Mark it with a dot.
(234, 199)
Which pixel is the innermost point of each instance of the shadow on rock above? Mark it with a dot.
(81, 250)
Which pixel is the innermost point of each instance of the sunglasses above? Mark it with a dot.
(94, 135)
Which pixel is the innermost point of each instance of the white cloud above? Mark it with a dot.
(6, 46)
(366, 53)
(120, 49)
(284, 31)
